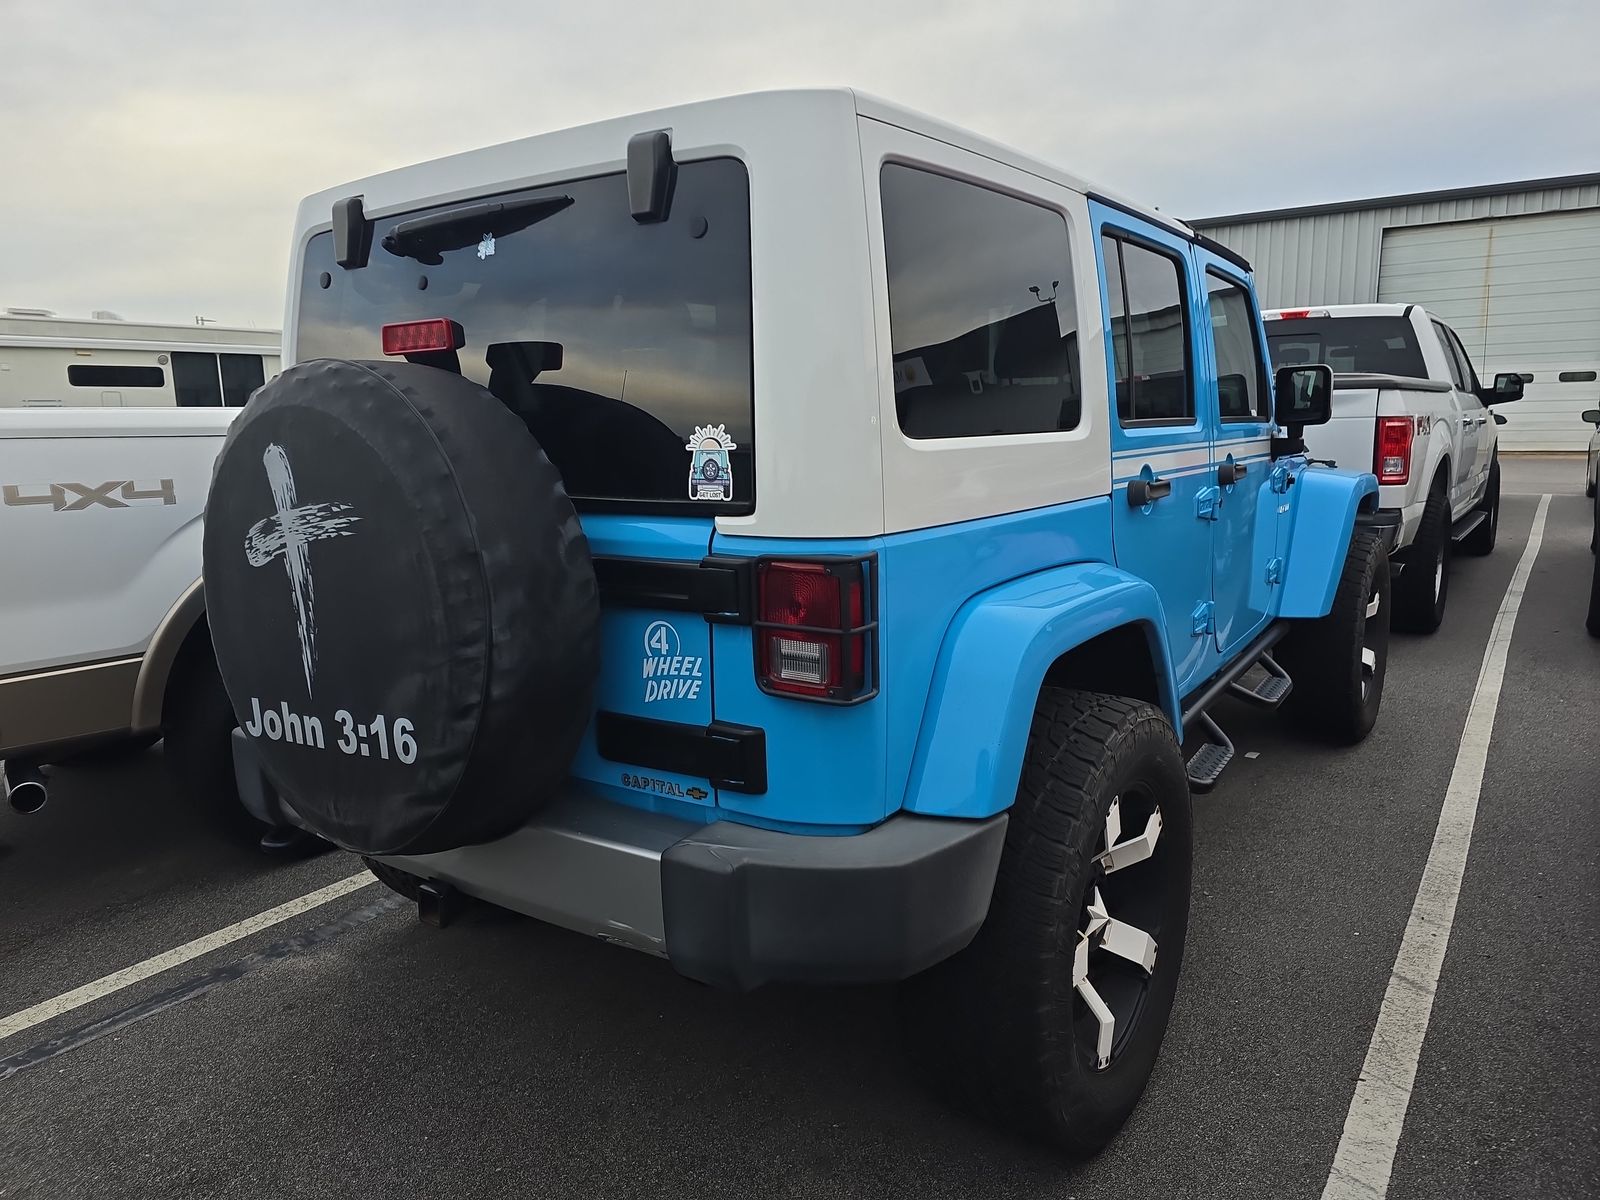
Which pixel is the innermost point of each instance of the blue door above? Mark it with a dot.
(1234, 383)
(1161, 428)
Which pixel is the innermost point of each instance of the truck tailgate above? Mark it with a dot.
(1347, 438)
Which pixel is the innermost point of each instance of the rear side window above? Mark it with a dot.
(620, 345)
(1452, 357)
(1350, 345)
(1469, 377)
(1241, 374)
(87, 375)
(194, 378)
(1149, 334)
(241, 375)
(981, 311)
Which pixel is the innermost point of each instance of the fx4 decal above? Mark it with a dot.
(76, 497)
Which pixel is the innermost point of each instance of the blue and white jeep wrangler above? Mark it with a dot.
(793, 537)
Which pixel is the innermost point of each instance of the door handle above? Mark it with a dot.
(1143, 491)
(1231, 472)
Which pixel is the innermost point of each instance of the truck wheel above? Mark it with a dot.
(197, 724)
(396, 880)
(1420, 592)
(1482, 539)
(1052, 1017)
(1338, 661)
(1593, 622)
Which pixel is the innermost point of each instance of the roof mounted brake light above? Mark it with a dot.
(433, 336)
(1296, 314)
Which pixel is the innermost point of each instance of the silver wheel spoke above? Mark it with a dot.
(1372, 605)
(1135, 850)
(1130, 942)
(1097, 1006)
(1369, 660)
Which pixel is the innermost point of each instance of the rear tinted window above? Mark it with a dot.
(1369, 345)
(614, 341)
(241, 375)
(980, 309)
(194, 378)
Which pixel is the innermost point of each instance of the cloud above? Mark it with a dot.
(154, 153)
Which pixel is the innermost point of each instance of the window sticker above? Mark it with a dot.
(710, 471)
(486, 246)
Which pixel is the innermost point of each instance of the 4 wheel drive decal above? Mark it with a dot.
(288, 534)
(76, 497)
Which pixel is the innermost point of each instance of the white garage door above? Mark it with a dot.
(1524, 294)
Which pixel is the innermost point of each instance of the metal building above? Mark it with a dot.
(1514, 267)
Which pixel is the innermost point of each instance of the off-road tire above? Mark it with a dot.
(1421, 590)
(396, 880)
(1482, 539)
(1324, 656)
(197, 725)
(998, 1026)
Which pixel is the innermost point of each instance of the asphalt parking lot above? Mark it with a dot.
(351, 1051)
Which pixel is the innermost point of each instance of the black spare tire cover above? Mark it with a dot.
(402, 604)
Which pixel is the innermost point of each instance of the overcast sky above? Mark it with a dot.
(152, 153)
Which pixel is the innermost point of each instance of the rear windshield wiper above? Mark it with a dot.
(424, 238)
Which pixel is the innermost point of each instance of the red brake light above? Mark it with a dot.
(1392, 459)
(812, 632)
(1296, 314)
(422, 337)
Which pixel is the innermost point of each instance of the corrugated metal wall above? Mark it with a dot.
(1332, 258)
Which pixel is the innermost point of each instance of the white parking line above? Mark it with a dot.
(1365, 1158)
(177, 956)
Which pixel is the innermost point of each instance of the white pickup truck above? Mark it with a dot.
(103, 637)
(1407, 405)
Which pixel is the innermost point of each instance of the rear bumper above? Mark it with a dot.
(1386, 524)
(730, 904)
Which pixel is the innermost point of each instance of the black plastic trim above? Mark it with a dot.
(1351, 380)
(651, 175)
(352, 234)
(743, 906)
(719, 588)
(1203, 697)
(732, 757)
(1223, 252)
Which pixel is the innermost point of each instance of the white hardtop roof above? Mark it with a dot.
(32, 326)
(1341, 310)
(507, 161)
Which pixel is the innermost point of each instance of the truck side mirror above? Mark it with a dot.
(1507, 387)
(1592, 416)
(1302, 395)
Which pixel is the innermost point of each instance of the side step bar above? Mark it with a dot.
(1463, 528)
(1208, 763)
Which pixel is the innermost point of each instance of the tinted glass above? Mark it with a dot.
(241, 375)
(1452, 357)
(1116, 306)
(1241, 375)
(1469, 377)
(1367, 345)
(194, 378)
(85, 375)
(981, 310)
(612, 340)
(1153, 375)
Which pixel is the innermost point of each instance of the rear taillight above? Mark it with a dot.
(814, 629)
(1392, 456)
(435, 335)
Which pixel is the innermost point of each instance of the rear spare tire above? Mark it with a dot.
(402, 604)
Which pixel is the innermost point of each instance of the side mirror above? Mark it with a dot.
(1592, 415)
(1507, 387)
(1498, 419)
(1302, 396)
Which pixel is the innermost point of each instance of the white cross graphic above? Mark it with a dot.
(289, 533)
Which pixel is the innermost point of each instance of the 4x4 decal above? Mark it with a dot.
(76, 497)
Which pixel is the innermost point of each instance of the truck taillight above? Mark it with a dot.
(435, 335)
(815, 633)
(1392, 458)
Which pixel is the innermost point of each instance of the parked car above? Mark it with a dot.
(649, 538)
(1407, 403)
(103, 636)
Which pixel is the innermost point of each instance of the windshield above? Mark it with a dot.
(618, 343)
(1367, 345)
